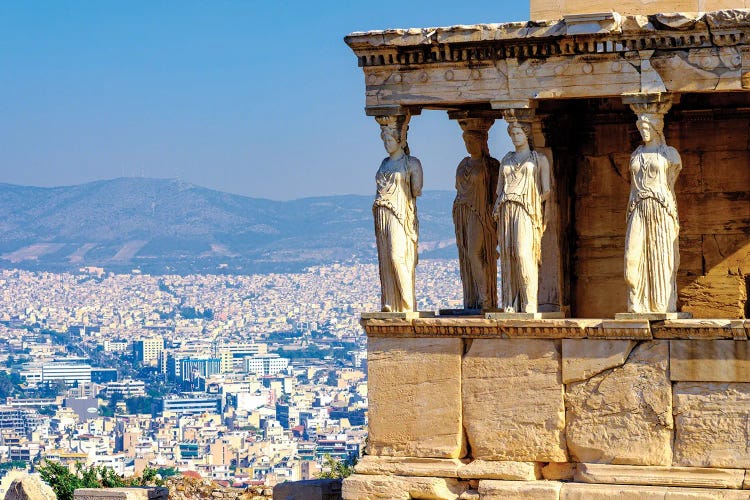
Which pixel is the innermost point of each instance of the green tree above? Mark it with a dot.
(337, 469)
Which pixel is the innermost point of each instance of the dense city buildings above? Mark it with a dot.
(247, 379)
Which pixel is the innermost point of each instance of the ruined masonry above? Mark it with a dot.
(576, 401)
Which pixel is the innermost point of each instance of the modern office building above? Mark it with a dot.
(68, 372)
(192, 404)
(266, 364)
(146, 351)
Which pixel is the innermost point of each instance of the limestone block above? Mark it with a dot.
(715, 297)
(29, 488)
(312, 489)
(709, 360)
(584, 358)
(409, 466)
(364, 487)
(711, 424)
(493, 469)
(695, 477)
(519, 490)
(415, 397)
(623, 415)
(146, 493)
(559, 471)
(513, 400)
(725, 254)
(580, 491)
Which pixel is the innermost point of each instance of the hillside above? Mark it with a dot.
(165, 226)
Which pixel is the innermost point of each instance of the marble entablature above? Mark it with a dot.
(603, 55)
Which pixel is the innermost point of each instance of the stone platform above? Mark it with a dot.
(556, 408)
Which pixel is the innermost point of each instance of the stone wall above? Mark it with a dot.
(556, 9)
(592, 157)
(625, 409)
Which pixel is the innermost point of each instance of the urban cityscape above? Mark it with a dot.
(244, 380)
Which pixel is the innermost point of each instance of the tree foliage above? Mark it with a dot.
(64, 482)
(337, 469)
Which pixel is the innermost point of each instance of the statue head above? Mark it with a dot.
(393, 129)
(476, 135)
(520, 134)
(651, 127)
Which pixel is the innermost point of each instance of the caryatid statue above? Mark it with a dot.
(399, 182)
(652, 252)
(523, 188)
(476, 231)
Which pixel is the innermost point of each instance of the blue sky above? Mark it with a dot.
(257, 98)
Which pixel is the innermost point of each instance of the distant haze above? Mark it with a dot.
(256, 98)
(164, 226)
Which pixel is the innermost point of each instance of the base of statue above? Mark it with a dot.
(398, 315)
(460, 312)
(653, 316)
(525, 315)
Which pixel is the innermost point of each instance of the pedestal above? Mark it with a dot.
(520, 316)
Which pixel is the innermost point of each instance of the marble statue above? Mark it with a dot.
(652, 252)
(399, 182)
(476, 231)
(523, 188)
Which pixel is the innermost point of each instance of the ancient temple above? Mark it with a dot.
(575, 400)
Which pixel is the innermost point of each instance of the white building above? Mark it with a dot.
(266, 364)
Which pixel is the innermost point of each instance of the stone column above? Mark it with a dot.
(398, 184)
(652, 252)
(476, 230)
(551, 274)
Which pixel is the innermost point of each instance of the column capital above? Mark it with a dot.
(651, 103)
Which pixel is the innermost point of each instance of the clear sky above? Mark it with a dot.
(256, 98)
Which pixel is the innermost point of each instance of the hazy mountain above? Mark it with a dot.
(162, 226)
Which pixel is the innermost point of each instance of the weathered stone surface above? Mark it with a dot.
(547, 328)
(457, 327)
(623, 329)
(709, 360)
(502, 380)
(495, 469)
(559, 471)
(715, 297)
(388, 327)
(582, 359)
(365, 487)
(555, 9)
(415, 397)
(711, 424)
(693, 329)
(315, 489)
(29, 488)
(146, 493)
(623, 415)
(579, 491)
(409, 466)
(519, 490)
(695, 477)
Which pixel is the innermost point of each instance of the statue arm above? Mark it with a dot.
(675, 165)
(498, 192)
(494, 172)
(545, 178)
(415, 176)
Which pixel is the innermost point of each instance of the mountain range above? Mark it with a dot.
(167, 226)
